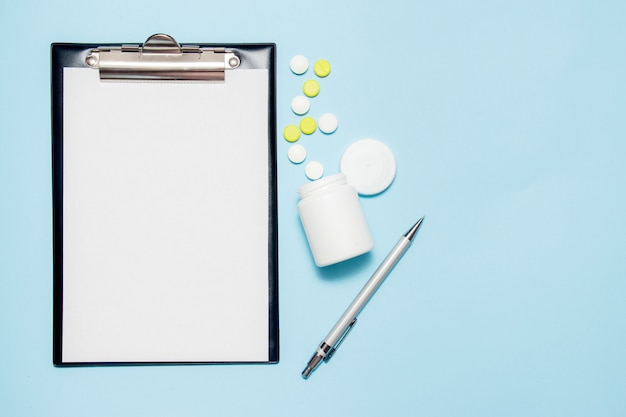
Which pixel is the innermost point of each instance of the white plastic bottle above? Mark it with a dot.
(333, 220)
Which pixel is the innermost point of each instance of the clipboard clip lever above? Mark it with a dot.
(162, 58)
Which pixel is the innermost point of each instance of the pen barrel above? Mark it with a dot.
(368, 291)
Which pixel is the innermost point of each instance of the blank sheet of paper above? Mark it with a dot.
(165, 219)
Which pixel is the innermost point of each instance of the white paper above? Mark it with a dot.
(165, 219)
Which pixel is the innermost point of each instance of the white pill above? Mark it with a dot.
(369, 165)
(314, 170)
(300, 105)
(296, 153)
(299, 64)
(327, 123)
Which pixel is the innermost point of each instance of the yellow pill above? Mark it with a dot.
(311, 88)
(322, 68)
(308, 125)
(291, 133)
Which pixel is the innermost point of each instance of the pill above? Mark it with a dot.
(321, 68)
(311, 88)
(314, 170)
(291, 133)
(300, 105)
(299, 64)
(308, 125)
(296, 153)
(369, 165)
(327, 123)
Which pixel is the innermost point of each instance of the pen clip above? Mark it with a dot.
(332, 351)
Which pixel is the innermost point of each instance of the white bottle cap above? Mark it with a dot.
(369, 166)
(299, 64)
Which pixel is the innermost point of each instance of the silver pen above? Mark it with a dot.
(337, 334)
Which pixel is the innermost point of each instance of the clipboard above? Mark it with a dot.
(165, 243)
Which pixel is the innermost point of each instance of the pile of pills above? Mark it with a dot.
(327, 123)
(369, 165)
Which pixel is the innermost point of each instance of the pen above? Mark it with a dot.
(337, 334)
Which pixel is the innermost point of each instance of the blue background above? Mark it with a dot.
(508, 123)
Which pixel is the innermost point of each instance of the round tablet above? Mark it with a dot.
(327, 123)
(369, 166)
(314, 170)
(299, 64)
(308, 125)
(311, 88)
(321, 68)
(300, 105)
(296, 153)
(291, 133)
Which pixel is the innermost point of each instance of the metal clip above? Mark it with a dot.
(162, 58)
(332, 351)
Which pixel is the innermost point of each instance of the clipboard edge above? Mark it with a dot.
(64, 55)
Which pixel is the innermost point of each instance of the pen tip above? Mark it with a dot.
(413, 231)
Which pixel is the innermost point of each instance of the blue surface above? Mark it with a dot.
(508, 123)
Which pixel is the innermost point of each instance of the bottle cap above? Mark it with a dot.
(369, 165)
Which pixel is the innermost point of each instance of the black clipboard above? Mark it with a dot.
(165, 241)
